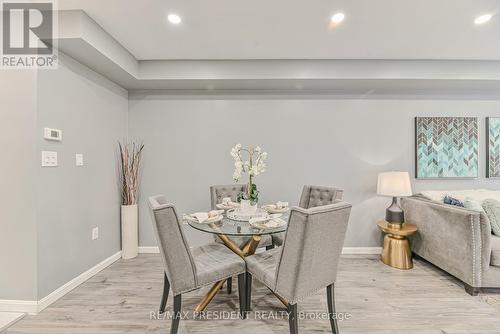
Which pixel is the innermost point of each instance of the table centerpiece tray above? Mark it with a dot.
(242, 216)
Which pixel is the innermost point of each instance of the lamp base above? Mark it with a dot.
(394, 214)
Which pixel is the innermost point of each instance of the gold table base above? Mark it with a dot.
(396, 252)
(249, 249)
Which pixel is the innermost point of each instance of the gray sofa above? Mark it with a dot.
(456, 240)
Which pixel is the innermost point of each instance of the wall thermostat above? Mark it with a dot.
(52, 134)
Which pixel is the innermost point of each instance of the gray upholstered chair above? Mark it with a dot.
(188, 269)
(217, 193)
(311, 197)
(308, 260)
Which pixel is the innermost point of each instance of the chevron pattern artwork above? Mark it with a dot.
(446, 147)
(493, 150)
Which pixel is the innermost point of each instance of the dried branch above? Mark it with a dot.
(130, 161)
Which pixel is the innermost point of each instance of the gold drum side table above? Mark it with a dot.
(396, 252)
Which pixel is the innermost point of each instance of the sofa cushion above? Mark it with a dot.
(478, 195)
(472, 204)
(492, 209)
(495, 251)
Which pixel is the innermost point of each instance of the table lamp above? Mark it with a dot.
(394, 184)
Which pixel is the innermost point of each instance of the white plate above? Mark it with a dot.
(272, 223)
(236, 214)
(227, 207)
(272, 210)
(208, 221)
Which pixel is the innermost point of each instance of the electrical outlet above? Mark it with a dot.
(95, 233)
(79, 159)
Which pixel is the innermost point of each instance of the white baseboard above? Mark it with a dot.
(22, 306)
(55, 295)
(8, 319)
(362, 250)
(33, 307)
(345, 250)
(149, 250)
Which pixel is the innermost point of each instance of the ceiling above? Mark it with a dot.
(295, 29)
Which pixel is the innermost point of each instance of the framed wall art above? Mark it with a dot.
(493, 147)
(446, 147)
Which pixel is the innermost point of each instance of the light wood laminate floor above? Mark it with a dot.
(380, 299)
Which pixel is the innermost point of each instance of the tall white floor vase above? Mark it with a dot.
(130, 236)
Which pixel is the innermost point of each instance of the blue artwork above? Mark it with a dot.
(446, 147)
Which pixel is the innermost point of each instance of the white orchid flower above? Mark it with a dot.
(254, 166)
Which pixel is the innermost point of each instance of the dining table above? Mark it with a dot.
(227, 228)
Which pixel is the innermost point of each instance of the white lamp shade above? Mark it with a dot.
(395, 184)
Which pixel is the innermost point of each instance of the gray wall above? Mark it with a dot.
(17, 185)
(342, 143)
(92, 112)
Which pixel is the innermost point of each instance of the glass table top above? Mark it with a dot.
(236, 228)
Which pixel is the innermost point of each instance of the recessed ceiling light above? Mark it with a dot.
(174, 18)
(483, 19)
(337, 18)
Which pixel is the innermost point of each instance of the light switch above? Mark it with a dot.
(49, 159)
(79, 159)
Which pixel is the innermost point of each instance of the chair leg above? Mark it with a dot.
(242, 295)
(229, 285)
(292, 319)
(177, 314)
(330, 297)
(164, 297)
(248, 291)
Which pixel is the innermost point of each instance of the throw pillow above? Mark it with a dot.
(492, 209)
(452, 201)
(471, 204)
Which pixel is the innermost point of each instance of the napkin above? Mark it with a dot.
(203, 216)
(281, 205)
(277, 222)
(264, 222)
(278, 205)
(227, 202)
(258, 220)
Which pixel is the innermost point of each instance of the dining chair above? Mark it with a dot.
(217, 193)
(307, 261)
(188, 269)
(311, 197)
